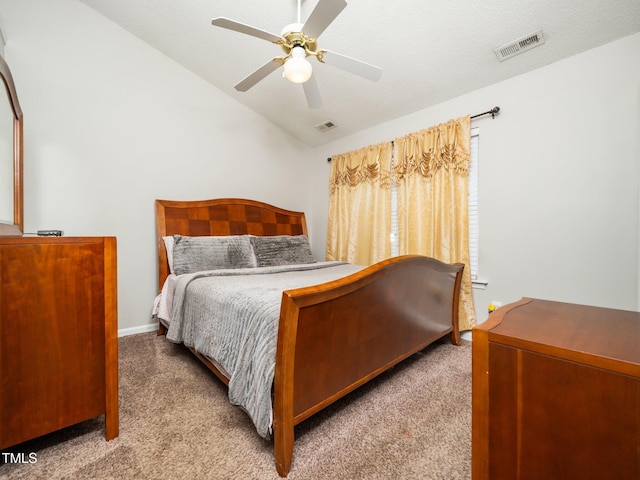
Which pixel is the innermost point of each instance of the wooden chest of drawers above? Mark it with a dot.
(58, 335)
(556, 393)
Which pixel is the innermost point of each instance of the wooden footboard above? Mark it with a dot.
(336, 336)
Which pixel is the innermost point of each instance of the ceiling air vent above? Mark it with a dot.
(325, 126)
(521, 45)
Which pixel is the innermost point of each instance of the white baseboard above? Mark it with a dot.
(123, 332)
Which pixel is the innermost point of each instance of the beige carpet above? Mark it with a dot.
(413, 422)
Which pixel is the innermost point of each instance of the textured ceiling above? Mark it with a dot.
(429, 51)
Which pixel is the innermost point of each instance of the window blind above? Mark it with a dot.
(473, 204)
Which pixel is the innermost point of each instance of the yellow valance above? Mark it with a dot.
(439, 147)
(370, 164)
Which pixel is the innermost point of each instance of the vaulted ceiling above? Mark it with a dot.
(429, 51)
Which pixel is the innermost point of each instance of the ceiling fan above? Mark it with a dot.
(299, 41)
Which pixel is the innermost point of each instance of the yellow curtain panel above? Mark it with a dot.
(431, 168)
(360, 205)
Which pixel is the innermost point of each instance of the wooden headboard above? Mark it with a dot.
(221, 217)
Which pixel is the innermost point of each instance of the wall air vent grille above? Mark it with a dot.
(325, 126)
(519, 46)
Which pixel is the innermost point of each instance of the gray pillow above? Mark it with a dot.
(282, 250)
(195, 254)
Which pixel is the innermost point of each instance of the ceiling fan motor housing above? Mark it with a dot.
(293, 36)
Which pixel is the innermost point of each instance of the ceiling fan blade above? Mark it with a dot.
(322, 15)
(357, 67)
(253, 78)
(247, 29)
(312, 93)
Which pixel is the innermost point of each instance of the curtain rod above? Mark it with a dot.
(493, 112)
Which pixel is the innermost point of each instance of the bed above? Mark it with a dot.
(329, 337)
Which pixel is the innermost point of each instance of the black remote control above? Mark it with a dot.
(50, 233)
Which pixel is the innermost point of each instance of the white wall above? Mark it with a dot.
(559, 176)
(111, 125)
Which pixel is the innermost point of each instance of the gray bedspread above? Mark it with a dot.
(231, 316)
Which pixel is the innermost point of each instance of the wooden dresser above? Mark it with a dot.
(58, 335)
(556, 393)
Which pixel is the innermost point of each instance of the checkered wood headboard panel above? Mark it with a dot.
(225, 216)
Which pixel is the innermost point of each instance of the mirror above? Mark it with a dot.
(11, 180)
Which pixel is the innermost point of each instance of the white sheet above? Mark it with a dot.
(163, 303)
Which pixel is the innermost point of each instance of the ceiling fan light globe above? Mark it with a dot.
(297, 70)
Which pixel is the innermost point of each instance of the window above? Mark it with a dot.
(472, 206)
